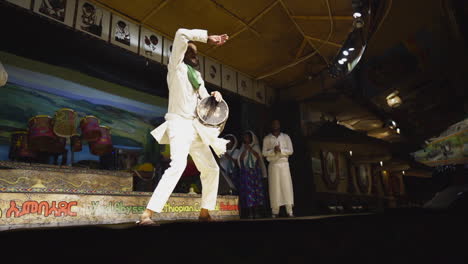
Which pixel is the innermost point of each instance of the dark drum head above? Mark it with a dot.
(211, 112)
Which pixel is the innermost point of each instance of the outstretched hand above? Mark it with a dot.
(217, 40)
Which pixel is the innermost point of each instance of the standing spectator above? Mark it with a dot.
(252, 170)
(277, 147)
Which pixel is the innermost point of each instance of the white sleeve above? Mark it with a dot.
(3, 75)
(180, 44)
(287, 149)
(268, 150)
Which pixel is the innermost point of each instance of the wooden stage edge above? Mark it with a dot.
(38, 195)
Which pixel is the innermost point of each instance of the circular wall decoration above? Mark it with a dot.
(330, 169)
(363, 178)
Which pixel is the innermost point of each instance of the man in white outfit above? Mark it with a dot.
(277, 147)
(182, 130)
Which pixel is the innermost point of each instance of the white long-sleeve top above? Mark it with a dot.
(183, 98)
(269, 143)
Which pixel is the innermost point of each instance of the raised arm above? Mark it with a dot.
(183, 36)
(180, 44)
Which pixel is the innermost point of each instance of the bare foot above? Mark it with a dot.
(205, 216)
(145, 219)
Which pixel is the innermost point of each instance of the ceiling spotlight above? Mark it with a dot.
(381, 163)
(391, 124)
(393, 100)
(403, 172)
(344, 59)
(345, 52)
(340, 61)
(351, 49)
(398, 131)
(351, 153)
(357, 14)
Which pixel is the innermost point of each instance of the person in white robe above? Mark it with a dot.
(183, 131)
(3, 75)
(277, 147)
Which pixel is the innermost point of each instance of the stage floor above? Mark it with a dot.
(365, 238)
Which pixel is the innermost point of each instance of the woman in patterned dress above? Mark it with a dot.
(252, 170)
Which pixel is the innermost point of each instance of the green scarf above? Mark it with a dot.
(192, 76)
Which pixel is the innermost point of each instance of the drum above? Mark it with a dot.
(76, 143)
(90, 128)
(64, 122)
(41, 134)
(212, 113)
(104, 144)
(19, 147)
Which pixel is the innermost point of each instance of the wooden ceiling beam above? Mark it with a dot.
(301, 48)
(336, 18)
(225, 10)
(334, 44)
(300, 30)
(294, 63)
(255, 19)
(154, 11)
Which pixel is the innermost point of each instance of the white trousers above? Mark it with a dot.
(185, 140)
(280, 186)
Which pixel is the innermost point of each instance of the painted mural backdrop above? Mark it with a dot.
(31, 93)
(452, 149)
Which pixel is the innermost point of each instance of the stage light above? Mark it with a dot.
(393, 100)
(344, 59)
(351, 49)
(345, 52)
(391, 124)
(357, 14)
(351, 153)
(398, 131)
(381, 163)
(341, 62)
(403, 172)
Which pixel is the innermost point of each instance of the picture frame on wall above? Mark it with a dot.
(167, 50)
(22, 3)
(259, 92)
(124, 33)
(62, 11)
(212, 72)
(93, 20)
(363, 178)
(245, 86)
(331, 169)
(151, 45)
(229, 79)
